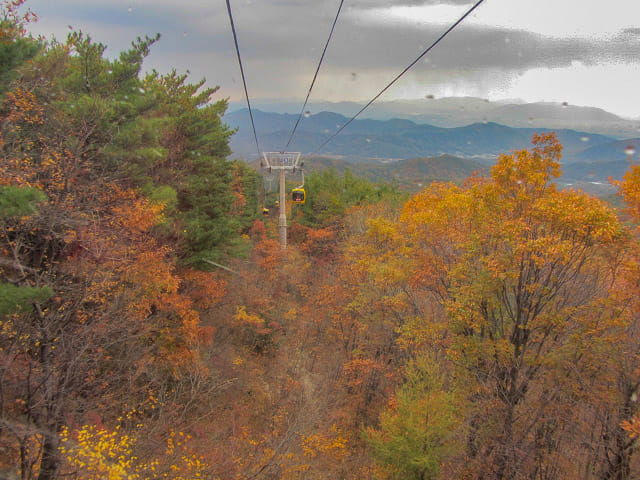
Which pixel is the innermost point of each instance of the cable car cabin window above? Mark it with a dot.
(298, 195)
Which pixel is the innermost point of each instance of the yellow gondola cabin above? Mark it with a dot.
(298, 195)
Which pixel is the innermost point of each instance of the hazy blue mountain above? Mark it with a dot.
(612, 151)
(460, 111)
(394, 139)
(594, 171)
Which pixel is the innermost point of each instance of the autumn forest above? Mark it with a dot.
(483, 330)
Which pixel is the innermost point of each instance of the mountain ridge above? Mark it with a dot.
(393, 139)
(589, 160)
(450, 112)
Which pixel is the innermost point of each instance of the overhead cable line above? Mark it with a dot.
(400, 75)
(244, 82)
(315, 75)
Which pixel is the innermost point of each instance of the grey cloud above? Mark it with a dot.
(281, 42)
(365, 46)
(386, 3)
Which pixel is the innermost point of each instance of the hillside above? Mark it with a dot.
(393, 139)
(165, 314)
(378, 149)
(411, 174)
(450, 112)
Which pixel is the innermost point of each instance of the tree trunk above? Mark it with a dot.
(50, 461)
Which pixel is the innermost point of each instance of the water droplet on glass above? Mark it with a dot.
(565, 104)
(307, 114)
(630, 150)
(584, 138)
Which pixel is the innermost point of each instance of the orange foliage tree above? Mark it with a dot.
(514, 273)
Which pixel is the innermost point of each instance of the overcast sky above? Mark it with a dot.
(584, 52)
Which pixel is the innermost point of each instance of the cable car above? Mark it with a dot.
(298, 195)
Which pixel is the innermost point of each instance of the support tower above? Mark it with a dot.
(285, 162)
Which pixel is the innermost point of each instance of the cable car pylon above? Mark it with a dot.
(284, 162)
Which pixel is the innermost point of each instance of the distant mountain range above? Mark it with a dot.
(589, 159)
(460, 111)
